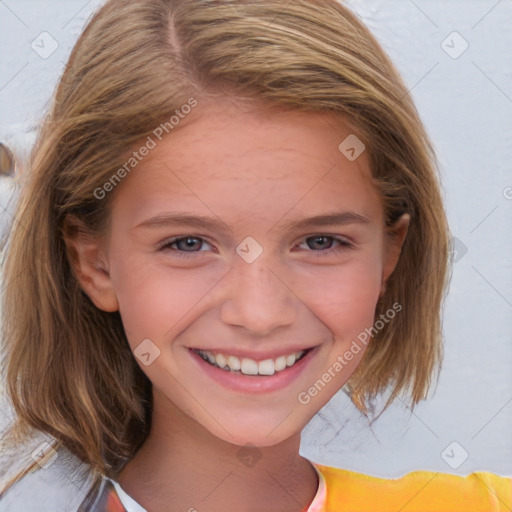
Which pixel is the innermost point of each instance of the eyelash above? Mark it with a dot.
(344, 244)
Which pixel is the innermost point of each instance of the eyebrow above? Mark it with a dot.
(329, 219)
(171, 218)
(294, 224)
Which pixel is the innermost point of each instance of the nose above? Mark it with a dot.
(258, 298)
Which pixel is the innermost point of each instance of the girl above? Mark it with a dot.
(232, 212)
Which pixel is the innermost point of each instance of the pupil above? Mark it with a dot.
(190, 242)
(319, 240)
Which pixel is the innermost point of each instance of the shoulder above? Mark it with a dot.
(418, 491)
(38, 475)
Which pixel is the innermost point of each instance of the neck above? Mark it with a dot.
(184, 464)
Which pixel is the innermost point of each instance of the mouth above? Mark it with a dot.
(247, 366)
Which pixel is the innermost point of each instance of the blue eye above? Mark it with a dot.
(184, 245)
(319, 245)
(327, 242)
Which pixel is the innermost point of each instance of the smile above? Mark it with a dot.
(247, 366)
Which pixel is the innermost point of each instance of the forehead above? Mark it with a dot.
(254, 161)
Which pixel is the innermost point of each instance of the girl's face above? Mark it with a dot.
(248, 238)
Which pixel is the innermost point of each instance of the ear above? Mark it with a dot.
(394, 239)
(88, 261)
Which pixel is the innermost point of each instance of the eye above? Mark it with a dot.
(321, 245)
(183, 245)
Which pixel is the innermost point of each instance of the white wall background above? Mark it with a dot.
(465, 99)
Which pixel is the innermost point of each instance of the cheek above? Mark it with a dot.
(156, 301)
(344, 299)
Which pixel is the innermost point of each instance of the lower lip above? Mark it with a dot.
(254, 383)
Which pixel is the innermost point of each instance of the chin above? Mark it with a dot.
(258, 430)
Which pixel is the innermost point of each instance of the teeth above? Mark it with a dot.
(249, 366)
(266, 367)
(234, 363)
(280, 363)
(220, 360)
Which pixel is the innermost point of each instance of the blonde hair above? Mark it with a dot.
(7, 161)
(68, 366)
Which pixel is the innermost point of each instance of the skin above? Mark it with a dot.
(254, 169)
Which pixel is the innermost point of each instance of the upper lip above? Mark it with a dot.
(256, 356)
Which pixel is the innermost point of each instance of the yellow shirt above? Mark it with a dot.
(346, 491)
(419, 491)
